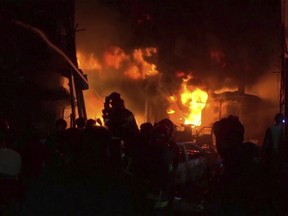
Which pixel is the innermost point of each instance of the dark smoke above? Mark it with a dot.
(245, 32)
(232, 44)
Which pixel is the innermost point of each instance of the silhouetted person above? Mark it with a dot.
(170, 138)
(239, 190)
(119, 120)
(55, 142)
(145, 131)
(91, 123)
(80, 123)
(161, 168)
(121, 124)
(60, 124)
(141, 150)
(34, 152)
(139, 165)
(272, 144)
(272, 156)
(92, 157)
(55, 136)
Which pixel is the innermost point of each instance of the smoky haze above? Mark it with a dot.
(223, 44)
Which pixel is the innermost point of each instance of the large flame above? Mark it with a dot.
(189, 104)
(88, 62)
(112, 66)
(195, 100)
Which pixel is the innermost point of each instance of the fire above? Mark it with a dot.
(114, 57)
(133, 65)
(188, 105)
(171, 98)
(107, 70)
(170, 111)
(225, 89)
(144, 68)
(195, 101)
(88, 62)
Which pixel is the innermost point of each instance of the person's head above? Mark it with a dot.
(115, 100)
(91, 123)
(169, 124)
(146, 129)
(80, 123)
(60, 124)
(114, 96)
(229, 132)
(279, 118)
(163, 129)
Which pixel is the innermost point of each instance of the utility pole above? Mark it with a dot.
(76, 82)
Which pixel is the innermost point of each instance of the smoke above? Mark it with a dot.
(224, 45)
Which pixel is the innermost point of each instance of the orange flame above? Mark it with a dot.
(170, 111)
(171, 98)
(188, 105)
(88, 62)
(134, 65)
(195, 101)
(114, 64)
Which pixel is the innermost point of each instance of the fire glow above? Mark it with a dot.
(108, 71)
(195, 101)
(190, 105)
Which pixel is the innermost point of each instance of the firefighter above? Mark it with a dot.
(161, 168)
(119, 120)
(121, 124)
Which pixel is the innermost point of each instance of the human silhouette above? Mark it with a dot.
(119, 120)
(122, 125)
(91, 123)
(80, 123)
(273, 153)
(239, 187)
(272, 144)
(161, 165)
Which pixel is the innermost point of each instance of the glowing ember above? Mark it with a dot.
(171, 98)
(170, 111)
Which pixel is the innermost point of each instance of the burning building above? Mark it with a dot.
(146, 50)
(166, 60)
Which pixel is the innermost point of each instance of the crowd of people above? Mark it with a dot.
(118, 168)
